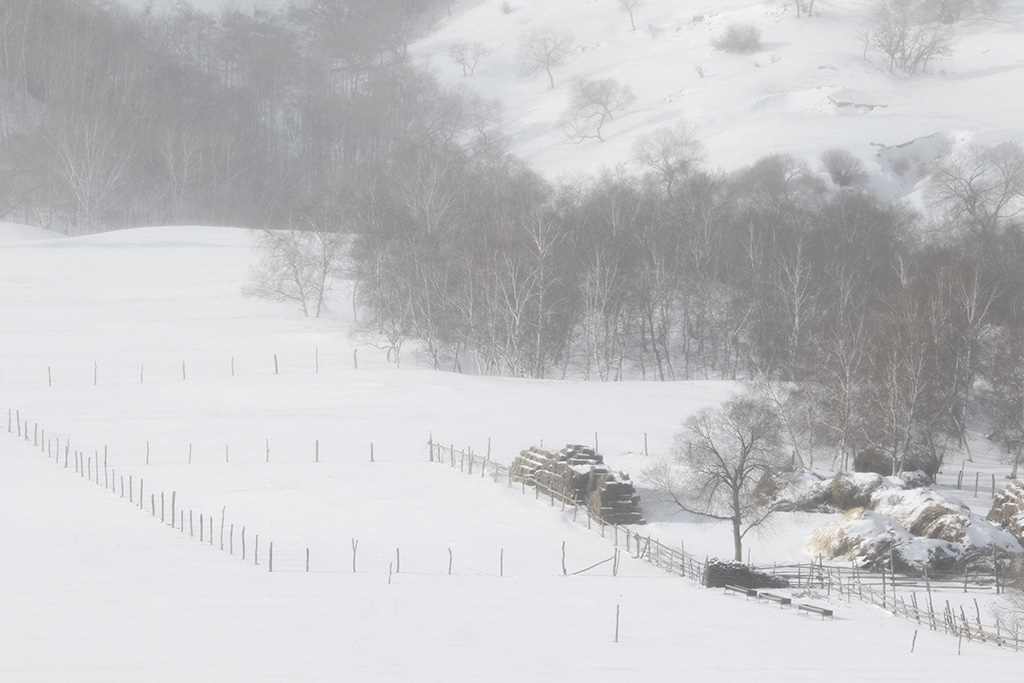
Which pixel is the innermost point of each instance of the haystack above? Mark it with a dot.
(579, 473)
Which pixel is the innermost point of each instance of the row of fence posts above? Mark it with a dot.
(977, 481)
(951, 620)
(15, 425)
(197, 525)
(185, 374)
(89, 467)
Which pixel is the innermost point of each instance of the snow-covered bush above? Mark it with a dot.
(739, 38)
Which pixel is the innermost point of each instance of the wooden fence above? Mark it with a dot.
(640, 546)
(884, 589)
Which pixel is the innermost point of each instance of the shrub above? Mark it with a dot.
(739, 38)
(872, 460)
(843, 168)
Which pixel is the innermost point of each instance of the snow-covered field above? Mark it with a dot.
(96, 589)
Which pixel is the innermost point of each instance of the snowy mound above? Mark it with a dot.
(911, 530)
(15, 232)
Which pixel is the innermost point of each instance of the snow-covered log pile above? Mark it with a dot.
(731, 573)
(908, 529)
(1008, 509)
(578, 472)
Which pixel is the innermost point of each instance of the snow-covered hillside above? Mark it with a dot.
(809, 88)
(138, 345)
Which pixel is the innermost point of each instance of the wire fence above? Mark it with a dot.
(889, 590)
(279, 551)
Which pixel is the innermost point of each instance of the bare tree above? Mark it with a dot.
(593, 103)
(671, 151)
(721, 456)
(982, 189)
(902, 31)
(545, 50)
(468, 55)
(297, 265)
(629, 6)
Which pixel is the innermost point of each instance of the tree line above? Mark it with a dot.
(889, 331)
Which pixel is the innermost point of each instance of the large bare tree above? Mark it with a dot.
(721, 456)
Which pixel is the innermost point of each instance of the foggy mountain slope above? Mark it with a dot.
(807, 88)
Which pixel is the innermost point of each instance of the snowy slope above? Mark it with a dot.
(799, 94)
(97, 589)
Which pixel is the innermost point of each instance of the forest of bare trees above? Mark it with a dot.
(112, 118)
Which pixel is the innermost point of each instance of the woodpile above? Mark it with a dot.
(720, 573)
(579, 473)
